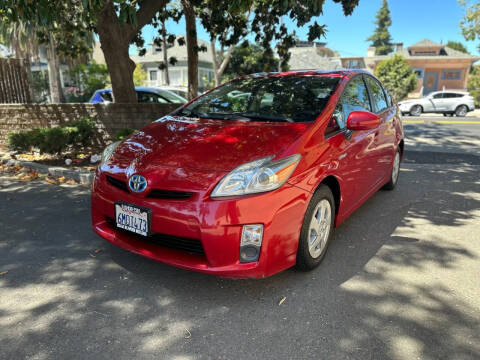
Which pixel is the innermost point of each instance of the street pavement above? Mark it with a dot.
(401, 280)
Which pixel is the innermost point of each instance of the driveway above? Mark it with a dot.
(401, 280)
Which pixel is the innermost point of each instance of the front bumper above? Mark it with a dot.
(216, 224)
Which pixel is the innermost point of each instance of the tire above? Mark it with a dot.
(416, 110)
(444, 114)
(394, 173)
(312, 247)
(461, 111)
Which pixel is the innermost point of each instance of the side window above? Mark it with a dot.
(438, 96)
(150, 98)
(379, 101)
(389, 98)
(354, 98)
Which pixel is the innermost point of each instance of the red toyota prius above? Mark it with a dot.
(252, 177)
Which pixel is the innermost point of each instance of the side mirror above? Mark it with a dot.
(362, 120)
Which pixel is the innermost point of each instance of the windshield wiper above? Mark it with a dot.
(266, 117)
(191, 113)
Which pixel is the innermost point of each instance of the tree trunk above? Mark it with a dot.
(166, 78)
(223, 65)
(213, 50)
(192, 48)
(115, 40)
(56, 95)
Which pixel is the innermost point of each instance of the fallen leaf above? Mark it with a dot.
(3, 273)
(71, 182)
(282, 301)
(50, 180)
(61, 179)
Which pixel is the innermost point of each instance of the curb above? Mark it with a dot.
(84, 178)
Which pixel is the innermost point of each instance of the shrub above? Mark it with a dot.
(54, 140)
(124, 133)
(19, 141)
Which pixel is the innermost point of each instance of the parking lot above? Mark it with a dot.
(400, 280)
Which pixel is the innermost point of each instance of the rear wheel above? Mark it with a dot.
(395, 172)
(416, 110)
(317, 229)
(461, 111)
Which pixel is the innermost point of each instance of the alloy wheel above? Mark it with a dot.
(319, 229)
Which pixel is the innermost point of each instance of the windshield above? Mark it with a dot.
(172, 97)
(286, 98)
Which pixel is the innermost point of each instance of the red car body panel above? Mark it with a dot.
(186, 155)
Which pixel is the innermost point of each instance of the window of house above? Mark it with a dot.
(377, 94)
(418, 72)
(175, 77)
(354, 98)
(153, 75)
(451, 74)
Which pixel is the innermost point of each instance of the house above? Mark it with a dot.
(313, 55)
(437, 66)
(178, 73)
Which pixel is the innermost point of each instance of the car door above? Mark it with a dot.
(385, 134)
(352, 150)
(450, 101)
(437, 102)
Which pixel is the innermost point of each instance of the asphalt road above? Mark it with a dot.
(401, 280)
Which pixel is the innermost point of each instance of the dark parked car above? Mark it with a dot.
(145, 95)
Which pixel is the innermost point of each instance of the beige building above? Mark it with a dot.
(438, 67)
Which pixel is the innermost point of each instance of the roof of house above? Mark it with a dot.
(177, 51)
(426, 43)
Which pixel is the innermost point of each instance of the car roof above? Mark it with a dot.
(337, 72)
(137, 88)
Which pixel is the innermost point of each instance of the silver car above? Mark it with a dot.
(444, 102)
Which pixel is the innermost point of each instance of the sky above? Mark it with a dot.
(412, 21)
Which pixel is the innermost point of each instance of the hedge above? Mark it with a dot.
(54, 140)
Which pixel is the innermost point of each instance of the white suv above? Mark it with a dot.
(446, 102)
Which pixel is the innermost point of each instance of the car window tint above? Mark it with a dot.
(379, 101)
(290, 98)
(354, 98)
(389, 98)
(106, 96)
(150, 98)
(438, 96)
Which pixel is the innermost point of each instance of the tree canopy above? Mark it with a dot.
(397, 76)
(381, 38)
(457, 45)
(118, 24)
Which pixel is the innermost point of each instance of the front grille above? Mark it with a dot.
(168, 194)
(154, 193)
(119, 184)
(188, 245)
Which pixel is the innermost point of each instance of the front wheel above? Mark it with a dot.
(317, 229)
(461, 111)
(395, 172)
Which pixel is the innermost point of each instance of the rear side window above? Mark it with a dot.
(377, 94)
(354, 98)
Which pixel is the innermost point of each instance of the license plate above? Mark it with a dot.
(133, 218)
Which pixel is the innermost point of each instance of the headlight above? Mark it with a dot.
(256, 177)
(108, 152)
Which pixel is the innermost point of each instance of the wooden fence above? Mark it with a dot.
(14, 86)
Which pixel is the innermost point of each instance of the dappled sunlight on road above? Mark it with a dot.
(397, 283)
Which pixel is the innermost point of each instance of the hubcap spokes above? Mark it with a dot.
(319, 229)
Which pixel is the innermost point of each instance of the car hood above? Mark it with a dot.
(205, 144)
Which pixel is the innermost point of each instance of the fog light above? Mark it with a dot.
(251, 242)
